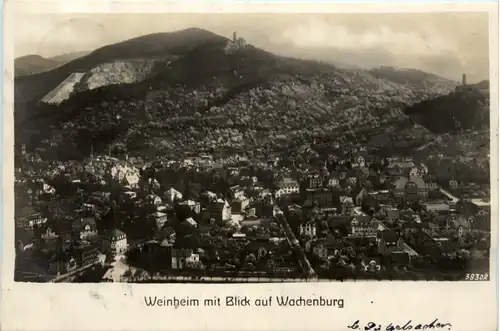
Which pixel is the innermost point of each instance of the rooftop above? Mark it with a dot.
(481, 202)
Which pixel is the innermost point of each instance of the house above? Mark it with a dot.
(219, 211)
(362, 196)
(453, 184)
(31, 221)
(87, 255)
(410, 188)
(49, 235)
(235, 192)
(191, 205)
(480, 210)
(165, 235)
(371, 264)
(239, 204)
(255, 221)
(114, 242)
(319, 249)
(308, 229)
(347, 205)
(260, 247)
(47, 189)
(381, 196)
(153, 253)
(132, 178)
(239, 236)
(339, 222)
(153, 200)
(172, 195)
(160, 218)
(438, 207)
(323, 198)
(190, 222)
(314, 181)
(388, 242)
(153, 184)
(360, 161)
(86, 227)
(62, 263)
(392, 214)
(399, 168)
(333, 182)
(460, 224)
(432, 185)
(326, 248)
(363, 225)
(287, 186)
(185, 258)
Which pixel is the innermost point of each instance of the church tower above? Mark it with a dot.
(464, 79)
(234, 36)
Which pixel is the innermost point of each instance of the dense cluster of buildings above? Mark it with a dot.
(349, 216)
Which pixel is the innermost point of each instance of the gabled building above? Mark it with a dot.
(235, 192)
(153, 199)
(114, 242)
(218, 211)
(287, 186)
(172, 195)
(410, 188)
(160, 218)
(389, 242)
(308, 229)
(363, 226)
(86, 227)
(190, 222)
(184, 258)
(239, 204)
(191, 205)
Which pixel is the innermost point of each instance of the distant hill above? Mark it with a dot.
(33, 64)
(68, 57)
(415, 78)
(466, 108)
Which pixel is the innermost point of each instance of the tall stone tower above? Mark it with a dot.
(234, 36)
(464, 79)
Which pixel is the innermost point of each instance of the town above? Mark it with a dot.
(343, 216)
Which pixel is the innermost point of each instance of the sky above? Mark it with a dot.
(445, 43)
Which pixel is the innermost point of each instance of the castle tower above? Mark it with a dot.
(234, 36)
(464, 79)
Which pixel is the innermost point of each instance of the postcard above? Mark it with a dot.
(249, 166)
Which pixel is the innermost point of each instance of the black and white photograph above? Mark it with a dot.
(252, 147)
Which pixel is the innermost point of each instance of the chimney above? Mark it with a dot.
(464, 79)
(234, 36)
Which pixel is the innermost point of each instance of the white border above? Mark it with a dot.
(466, 305)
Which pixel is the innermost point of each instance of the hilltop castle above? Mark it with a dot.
(235, 44)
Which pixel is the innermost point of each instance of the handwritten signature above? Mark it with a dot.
(410, 325)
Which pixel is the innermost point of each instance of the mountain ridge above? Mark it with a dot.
(203, 97)
(32, 64)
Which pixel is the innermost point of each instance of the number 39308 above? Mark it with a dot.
(472, 276)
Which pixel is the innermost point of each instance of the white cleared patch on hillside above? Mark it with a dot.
(63, 91)
(119, 72)
(111, 73)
